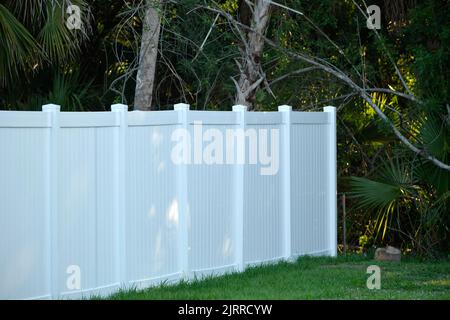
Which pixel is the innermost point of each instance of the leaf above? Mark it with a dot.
(18, 50)
(373, 194)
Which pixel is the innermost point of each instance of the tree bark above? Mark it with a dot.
(251, 74)
(148, 56)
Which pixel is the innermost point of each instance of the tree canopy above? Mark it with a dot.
(391, 86)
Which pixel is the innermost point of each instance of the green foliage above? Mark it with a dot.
(435, 135)
(35, 40)
(55, 38)
(408, 205)
(401, 206)
(72, 92)
(19, 50)
(428, 38)
(387, 194)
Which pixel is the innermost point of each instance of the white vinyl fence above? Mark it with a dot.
(92, 201)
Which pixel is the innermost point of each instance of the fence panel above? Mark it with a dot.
(310, 207)
(103, 195)
(263, 221)
(210, 194)
(152, 205)
(24, 220)
(85, 228)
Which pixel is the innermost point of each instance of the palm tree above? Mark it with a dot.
(34, 37)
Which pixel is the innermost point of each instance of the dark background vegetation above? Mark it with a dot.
(393, 195)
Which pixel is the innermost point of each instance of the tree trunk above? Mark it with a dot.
(251, 73)
(148, 57)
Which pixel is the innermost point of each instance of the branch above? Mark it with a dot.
(399, 74)
(293, 73)
(318, 29)
(206, 38)
(333, 70)
(400, 94)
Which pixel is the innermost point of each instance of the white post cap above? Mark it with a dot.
(284, 108)
(329, 109)
(51, 107)
(119, 107)
(181, 107)
(239, 108)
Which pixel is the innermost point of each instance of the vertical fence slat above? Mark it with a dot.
(286, 179)
(183, 207)
(332, 183)
(239, 194)
(52, 198)
(119, 191)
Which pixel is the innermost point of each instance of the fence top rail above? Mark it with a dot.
(34, 119)
(24, 119)
(212, 117)
(87, 119)
(255, 118)
(310, 118)
(159, 118)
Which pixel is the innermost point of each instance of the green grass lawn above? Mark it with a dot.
(314, 278)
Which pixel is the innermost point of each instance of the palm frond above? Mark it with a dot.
(72, 92)
(30, 12)
(58, 43)
(385, 194)
(18, 50)
(373, 194)
(435, 135)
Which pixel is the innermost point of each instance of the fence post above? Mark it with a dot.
(52, 198)
(286, 179)
(239, 193)
(119, 191)
(332, 184)
(183, 208)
